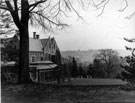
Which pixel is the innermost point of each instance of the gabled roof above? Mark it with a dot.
(44, 42)
(35, 45)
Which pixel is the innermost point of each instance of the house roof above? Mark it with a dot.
(42, 62)
(44, 41)
(35, 45)
(40, 65)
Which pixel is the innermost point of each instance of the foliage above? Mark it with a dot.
(130, 68)
(9, 74)
(97, 69)
(11, 54)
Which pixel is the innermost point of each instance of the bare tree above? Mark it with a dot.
(107, 57)
(46, 13)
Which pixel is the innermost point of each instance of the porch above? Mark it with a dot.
(44, 72)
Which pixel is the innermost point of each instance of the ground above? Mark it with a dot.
(34, 93)
(97, 81)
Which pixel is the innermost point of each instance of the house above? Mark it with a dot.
(39, 49)
(43, 55)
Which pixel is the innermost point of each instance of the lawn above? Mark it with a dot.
(34, 93)
(85, 81)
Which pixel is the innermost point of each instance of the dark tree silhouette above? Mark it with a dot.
(80, 71)
(90, 70)
(74, 70)
(97, 70)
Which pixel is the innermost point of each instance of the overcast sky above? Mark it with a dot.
(105, 31)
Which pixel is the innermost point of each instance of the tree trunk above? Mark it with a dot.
(24, 56)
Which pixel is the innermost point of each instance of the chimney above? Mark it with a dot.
(34, 35)
(37, 36)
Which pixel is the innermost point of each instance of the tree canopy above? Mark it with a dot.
(108, 57)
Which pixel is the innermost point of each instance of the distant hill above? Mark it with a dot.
(88, 56)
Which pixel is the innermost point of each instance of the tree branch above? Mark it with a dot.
(5, 8)
(58, 24)
(35, 4)
(130, 16)
(103, 7)
(9, 5)
(129, 40)
(15, 4)
(121, 10)
(79, 16)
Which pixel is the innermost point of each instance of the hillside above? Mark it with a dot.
(88, 56)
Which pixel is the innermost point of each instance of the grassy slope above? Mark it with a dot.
(53, 94)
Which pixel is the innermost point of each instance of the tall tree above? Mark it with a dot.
(74, 70)
(46, 13)
(108, 57)
(80, 71)
(97, 69)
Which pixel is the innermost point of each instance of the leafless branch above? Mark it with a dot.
(5, 8)
(126, 2)
(9, 5)
(79, 16)
(35, 4)
(103, 7)
(57, 24)
(130, 16)
(98, 5)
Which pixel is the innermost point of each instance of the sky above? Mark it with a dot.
(105, 31)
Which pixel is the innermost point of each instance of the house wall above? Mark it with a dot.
(50, 49)
(35, 56)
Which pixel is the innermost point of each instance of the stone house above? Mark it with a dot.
(43, 57)
(39, 49)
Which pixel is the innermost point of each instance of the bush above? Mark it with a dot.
(9, 74)
(128, 87)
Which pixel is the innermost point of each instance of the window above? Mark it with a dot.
(33, 59)
(41, 58)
